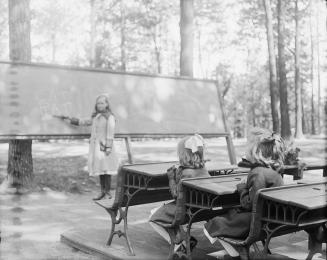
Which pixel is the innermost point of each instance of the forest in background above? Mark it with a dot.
(229, 45)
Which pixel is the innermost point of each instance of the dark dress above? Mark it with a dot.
(167, 213)
(236, 222)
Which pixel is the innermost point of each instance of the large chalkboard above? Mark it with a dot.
(143, 104)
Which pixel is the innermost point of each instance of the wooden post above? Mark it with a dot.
(128, 149)
(231, 149)
(229, 141)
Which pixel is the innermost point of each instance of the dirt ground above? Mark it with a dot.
(60, 197)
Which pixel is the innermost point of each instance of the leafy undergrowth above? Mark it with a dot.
(63, 174)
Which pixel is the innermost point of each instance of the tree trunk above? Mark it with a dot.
(20, 163)
(157, 49)
(313, 127)
(298, 92)
(54, 48)
(203, 73)
(123, 36)
(253, 115)
(158, 59)
(304, 121)
(272, 67)
(186, 32)
(92, 32)
(19, 30)
(285, 120)
(318, 75)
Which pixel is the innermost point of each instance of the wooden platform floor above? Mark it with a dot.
(148, 245)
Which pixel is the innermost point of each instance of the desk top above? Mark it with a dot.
(157, 169)
(219, 185)
(306, 196)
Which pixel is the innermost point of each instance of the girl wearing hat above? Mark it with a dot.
(102, 160)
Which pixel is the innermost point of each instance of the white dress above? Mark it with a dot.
(98, 162)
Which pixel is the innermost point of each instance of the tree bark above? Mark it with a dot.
(19, 30)
(298, 92)
(186, 32)
(54, 47)
(318, 75)
(285, 120)
(304, 121)
(20, 162)
(272, 67)
(157, 49)
(313, 127)
(92, 32)
(123, 36)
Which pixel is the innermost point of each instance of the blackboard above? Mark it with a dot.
(143, 104)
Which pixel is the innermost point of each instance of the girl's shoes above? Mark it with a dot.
(193, 243)
(100, 196)
(109, 195)
(181, 252)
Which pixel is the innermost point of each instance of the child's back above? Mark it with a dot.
(165, 215)
(265, 158)
(190, 152)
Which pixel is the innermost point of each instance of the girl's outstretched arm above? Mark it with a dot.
(74, 120)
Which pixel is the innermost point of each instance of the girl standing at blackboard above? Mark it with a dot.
(102, 160)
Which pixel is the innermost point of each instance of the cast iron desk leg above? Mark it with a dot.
(115, 221)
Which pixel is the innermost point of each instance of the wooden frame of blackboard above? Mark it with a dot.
(66, 67)
(127, 137)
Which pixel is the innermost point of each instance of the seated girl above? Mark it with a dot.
(265, 154)
(191, 164)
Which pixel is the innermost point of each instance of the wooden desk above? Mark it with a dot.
(298, 172)
(294, 170)
(294, 204)
(212, 192)
(147, 183)
(153, 177)
(291, 208)
(144, 183)
(278, 211)
(204, 198)
(157, 169)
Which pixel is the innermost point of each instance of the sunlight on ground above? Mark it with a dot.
(56, 195)
(50, 235)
